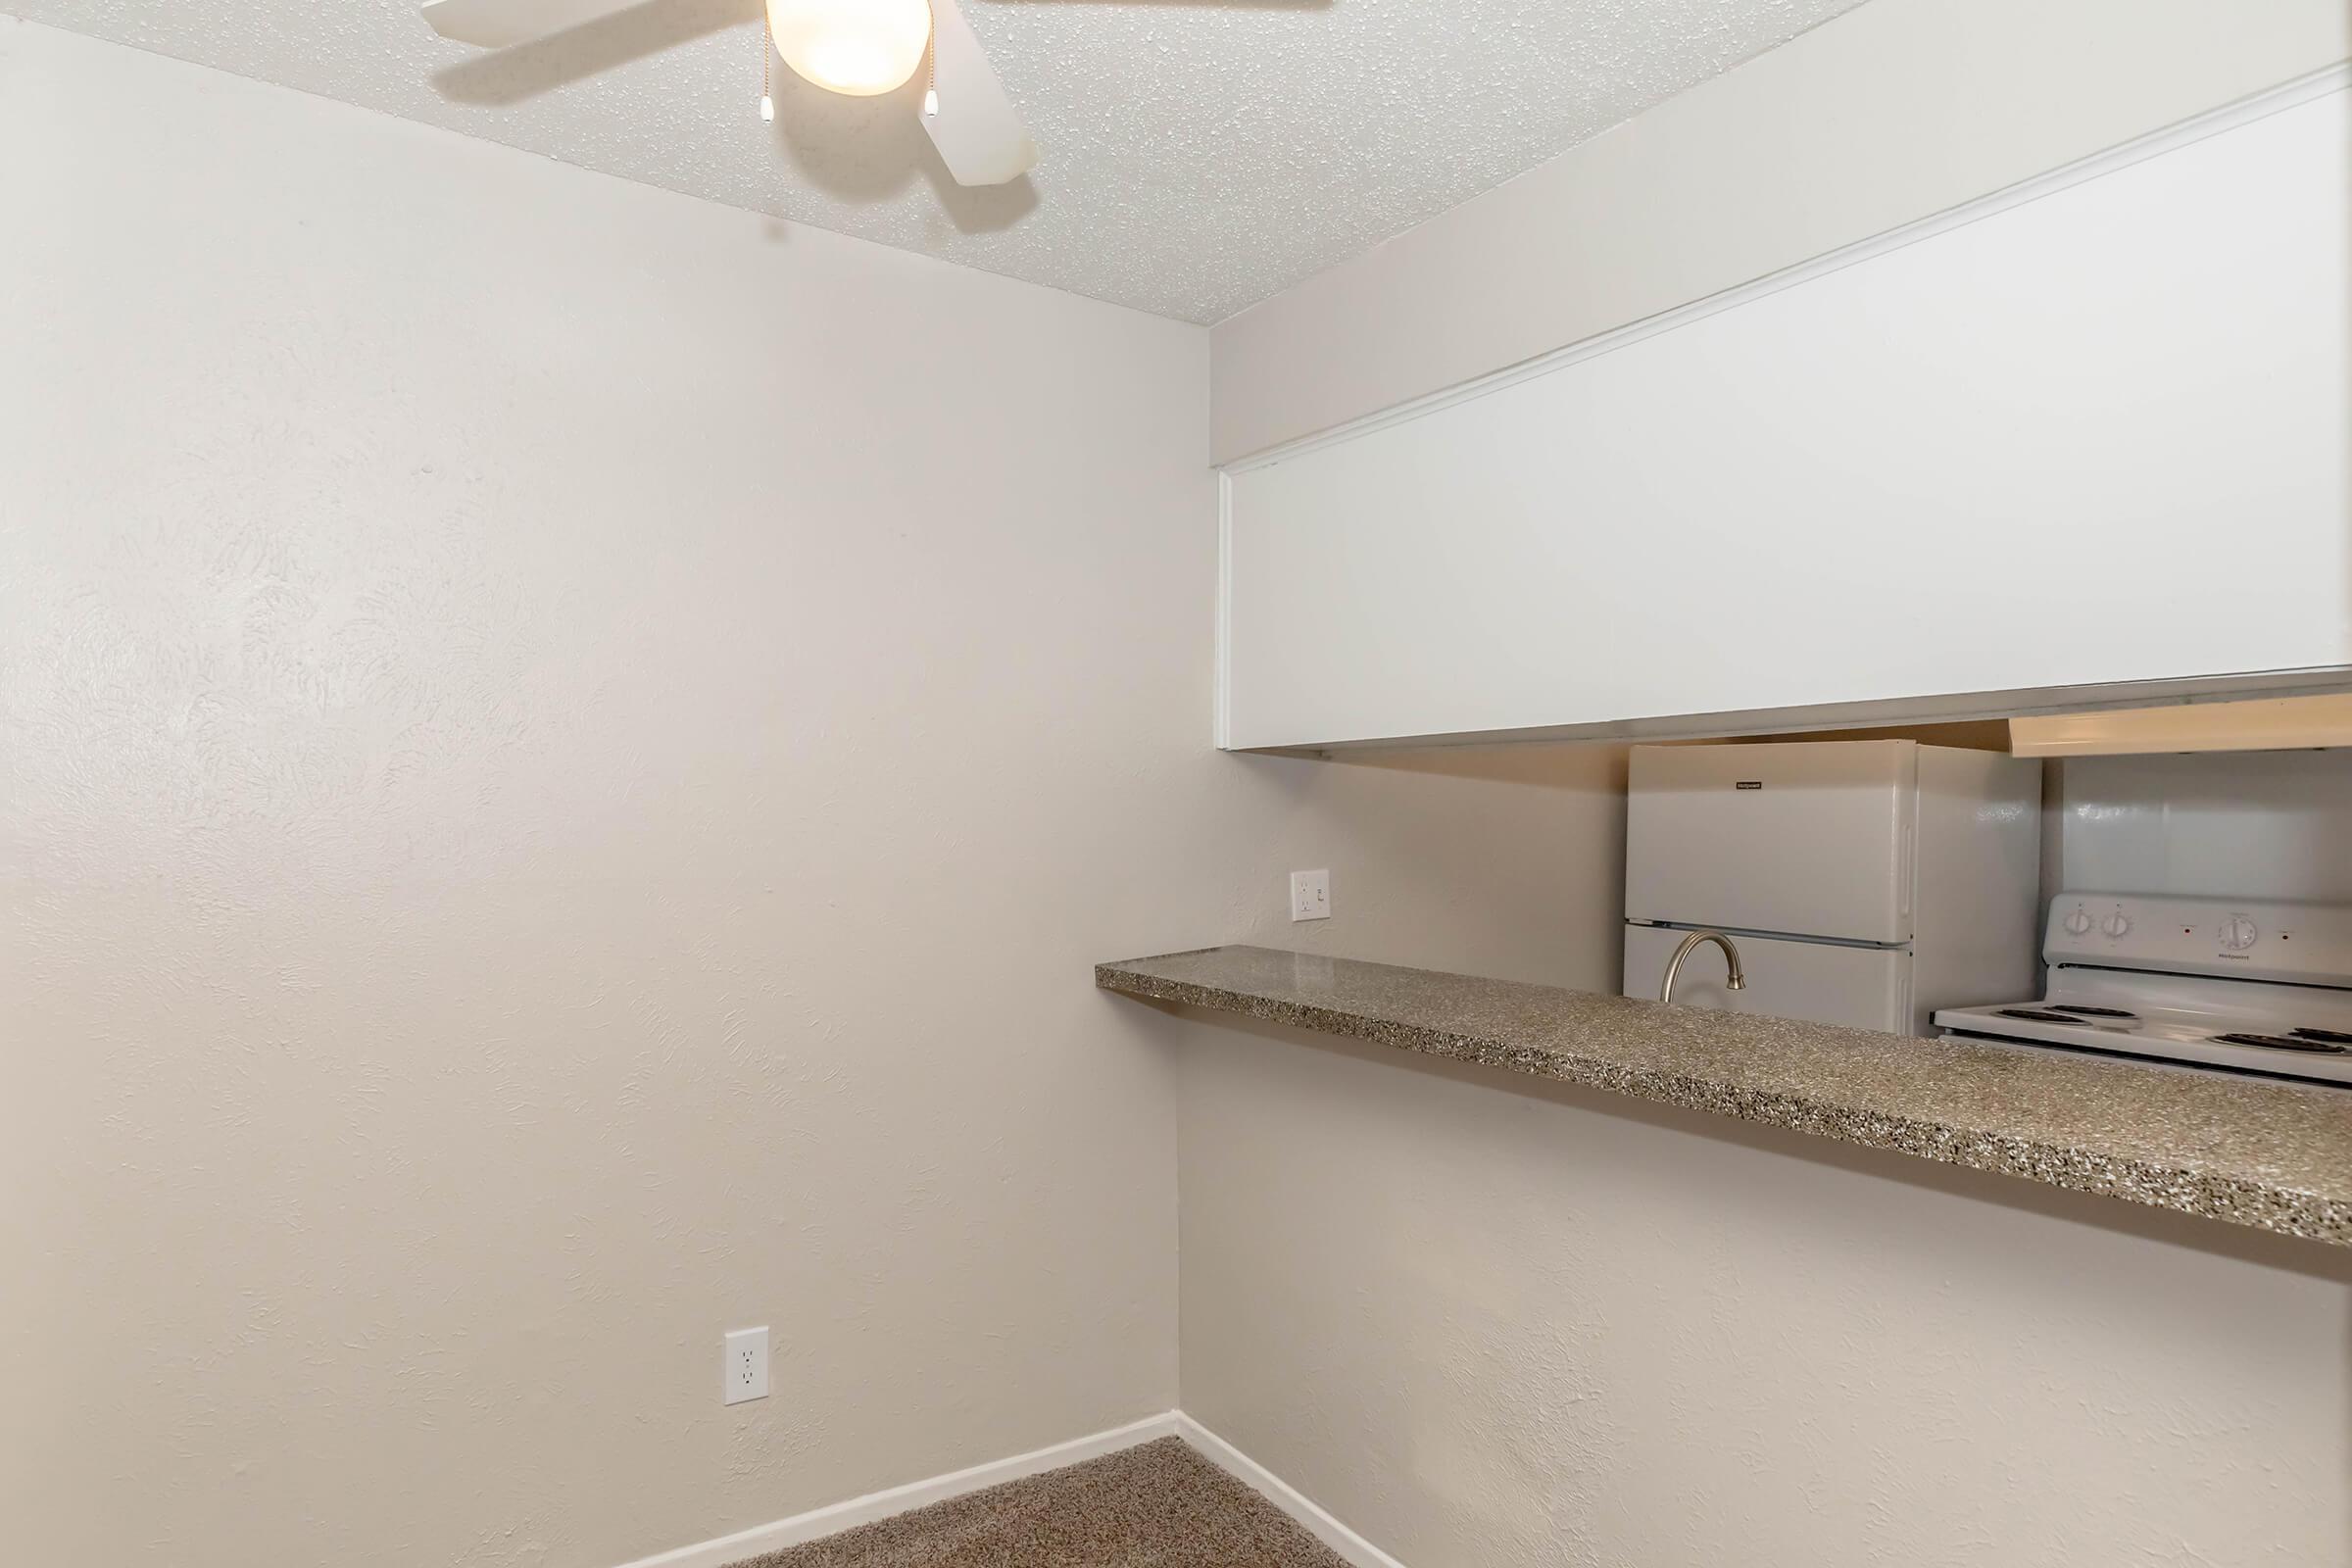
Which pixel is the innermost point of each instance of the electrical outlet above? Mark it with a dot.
(1310, 895)
(743, 1373)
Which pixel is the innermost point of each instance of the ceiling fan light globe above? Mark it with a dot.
(857, 47)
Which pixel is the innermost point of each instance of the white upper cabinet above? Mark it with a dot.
(2089, 433)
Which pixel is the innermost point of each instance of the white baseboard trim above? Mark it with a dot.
(818, 1523)
(828, 1521)
(1352, 1549)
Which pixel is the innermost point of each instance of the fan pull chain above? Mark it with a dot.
(767, 61)
(931, 77)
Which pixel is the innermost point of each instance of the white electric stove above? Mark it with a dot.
(2261, 988)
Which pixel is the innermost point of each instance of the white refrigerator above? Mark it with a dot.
(1865, 882)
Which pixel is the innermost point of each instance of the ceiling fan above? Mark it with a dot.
(858, 47)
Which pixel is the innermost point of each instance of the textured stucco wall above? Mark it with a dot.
(1525, 1328)
(562, 745)
(1528, 1326)
(567, 752)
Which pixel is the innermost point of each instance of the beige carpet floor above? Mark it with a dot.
(1156, 1505)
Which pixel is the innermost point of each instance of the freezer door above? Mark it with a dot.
(1812, 838)
(1869, 988)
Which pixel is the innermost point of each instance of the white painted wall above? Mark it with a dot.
(1485, 1321)
(2263, 825)
(562, 743)
(1895, 111)
(1489, 1322)
(2137, 378)
(1495, 1322)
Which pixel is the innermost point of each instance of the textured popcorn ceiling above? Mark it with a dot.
(1198, 155)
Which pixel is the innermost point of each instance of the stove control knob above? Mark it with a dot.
(2117, 924)
(2077, 922)
(2238, 933)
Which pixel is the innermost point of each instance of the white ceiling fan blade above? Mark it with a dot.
(496, 24)
(976, 130)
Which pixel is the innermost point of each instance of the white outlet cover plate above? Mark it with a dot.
(1310, 895)
(742, 1370)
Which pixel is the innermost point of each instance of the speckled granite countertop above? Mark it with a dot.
(2271, 1154)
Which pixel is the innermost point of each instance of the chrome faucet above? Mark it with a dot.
(1731, 958)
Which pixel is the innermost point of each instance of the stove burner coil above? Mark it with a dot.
(2090, 1011)
(2284, 1043)
(2326, 1037)
(2037, 1016)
